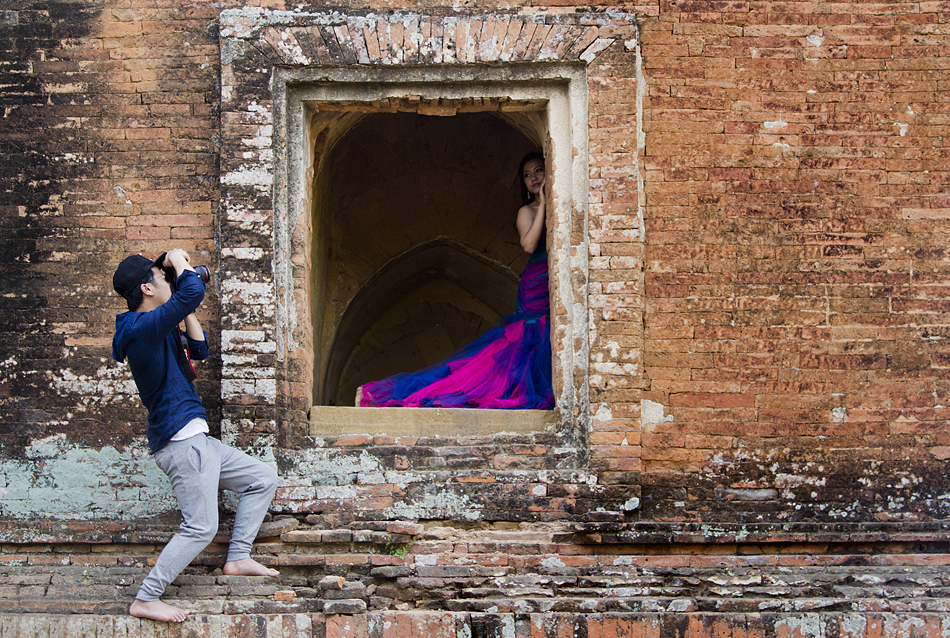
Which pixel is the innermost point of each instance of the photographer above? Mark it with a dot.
(197, 465)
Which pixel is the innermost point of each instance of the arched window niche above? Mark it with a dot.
(395, 242)
(420, 256)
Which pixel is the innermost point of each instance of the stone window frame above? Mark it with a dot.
(273, 64)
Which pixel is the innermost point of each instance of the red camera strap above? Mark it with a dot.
(184, 346)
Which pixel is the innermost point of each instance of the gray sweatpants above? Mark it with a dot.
(198, 467)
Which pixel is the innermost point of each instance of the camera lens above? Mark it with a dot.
(204, 272)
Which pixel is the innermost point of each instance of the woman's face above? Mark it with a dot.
(533, 175)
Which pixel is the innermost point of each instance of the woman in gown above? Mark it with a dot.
(509, 366)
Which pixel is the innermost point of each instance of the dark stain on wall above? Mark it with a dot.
(41, 147)
(789, 485)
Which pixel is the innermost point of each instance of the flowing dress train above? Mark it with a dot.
(507, 367)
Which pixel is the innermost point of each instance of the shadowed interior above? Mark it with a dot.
(415, 247)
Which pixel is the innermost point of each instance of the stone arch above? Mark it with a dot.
(444, 272)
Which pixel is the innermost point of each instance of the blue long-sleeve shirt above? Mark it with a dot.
(151, 342)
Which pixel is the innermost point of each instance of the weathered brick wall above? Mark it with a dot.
(794, 301)
(765, 235)
(109, 142)
(40, 220)
(765, 283)
(108, 133)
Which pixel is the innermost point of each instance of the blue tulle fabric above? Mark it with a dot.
(508, 367)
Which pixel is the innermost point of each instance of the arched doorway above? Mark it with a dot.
(415, 248)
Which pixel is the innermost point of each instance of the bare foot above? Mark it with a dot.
(248, 567)
(157, 610)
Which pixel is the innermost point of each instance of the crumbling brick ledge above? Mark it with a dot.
(405, 579)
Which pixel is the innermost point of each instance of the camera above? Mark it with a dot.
(202, 271)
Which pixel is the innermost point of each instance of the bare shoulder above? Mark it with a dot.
(527, 213)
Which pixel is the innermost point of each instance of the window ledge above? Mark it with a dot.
(454, 422)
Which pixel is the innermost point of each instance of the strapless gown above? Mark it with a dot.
(508, 367)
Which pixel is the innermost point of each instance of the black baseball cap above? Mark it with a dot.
(132, 271)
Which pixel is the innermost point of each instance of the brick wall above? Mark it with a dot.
(110, 147)
(109, 142)
(766, 287)
(793, 265)
(766, 278)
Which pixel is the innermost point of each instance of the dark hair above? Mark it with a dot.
(135, 296)
(526, 196)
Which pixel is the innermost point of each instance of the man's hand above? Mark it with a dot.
(178, 259)
(172, 254)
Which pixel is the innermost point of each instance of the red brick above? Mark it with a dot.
(713, 400)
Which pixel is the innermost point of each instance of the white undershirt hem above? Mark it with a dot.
(193, 428)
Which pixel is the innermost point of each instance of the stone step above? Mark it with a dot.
(580, 533)
(349, 583)
(390, 566)
(490, 624)
(118, 624)
(523, 603)
(676, 605)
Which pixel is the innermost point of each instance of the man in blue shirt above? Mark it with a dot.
(197, 465)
